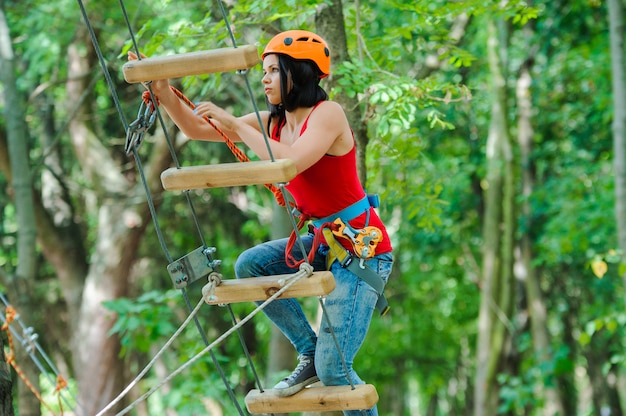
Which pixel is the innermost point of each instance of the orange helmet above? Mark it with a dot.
(301, 44)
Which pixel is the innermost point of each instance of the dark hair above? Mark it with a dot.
(305, 89)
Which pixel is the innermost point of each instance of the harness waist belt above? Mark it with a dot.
(351, 212)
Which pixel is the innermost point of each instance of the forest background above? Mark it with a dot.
(493, 132)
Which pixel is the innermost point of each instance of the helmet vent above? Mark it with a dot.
(288, 41)
(307, 39)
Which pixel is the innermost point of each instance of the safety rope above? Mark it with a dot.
(290, 260)
(10, 316)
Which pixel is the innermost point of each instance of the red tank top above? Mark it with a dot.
(336, 175)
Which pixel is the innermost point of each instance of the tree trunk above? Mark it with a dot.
(60, 235)
(330, 25)
(604, 394)
(6, 384)
(618, 70)
(525, 270)
(121, 226)
(497, 275)
(17, 135)
(618, 64)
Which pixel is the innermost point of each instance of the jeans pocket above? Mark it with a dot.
(384, 268)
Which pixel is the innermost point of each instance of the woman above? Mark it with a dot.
(313, 132)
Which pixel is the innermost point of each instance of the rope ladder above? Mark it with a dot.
(200, 263)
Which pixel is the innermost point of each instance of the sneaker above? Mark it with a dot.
(302, 376)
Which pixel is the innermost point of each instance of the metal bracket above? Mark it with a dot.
(195, 265)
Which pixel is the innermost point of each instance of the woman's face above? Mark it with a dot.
(271, 79)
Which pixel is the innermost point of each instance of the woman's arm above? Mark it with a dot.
(327, 131)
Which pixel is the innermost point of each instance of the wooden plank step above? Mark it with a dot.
(262, 288)
(192, 63)
(257, 172)
(313, 399)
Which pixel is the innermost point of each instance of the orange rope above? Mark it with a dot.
(290, 260)
(61, 384)
(241, 156)
(11, 314)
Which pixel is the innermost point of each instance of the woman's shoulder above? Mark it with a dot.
(330, 105)
(329, 110)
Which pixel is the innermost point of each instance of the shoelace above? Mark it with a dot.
(300, 367)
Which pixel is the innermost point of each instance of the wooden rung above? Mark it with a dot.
(262, 288)
(313, 399)
(192, 63)
(229, 174)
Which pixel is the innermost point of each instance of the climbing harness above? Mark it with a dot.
(363, 241)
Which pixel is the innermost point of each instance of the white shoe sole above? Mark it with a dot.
(291, 390)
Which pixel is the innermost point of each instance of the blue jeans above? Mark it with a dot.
(349, 307)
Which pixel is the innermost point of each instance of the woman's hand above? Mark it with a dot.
(226, 120)
(158, 86)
